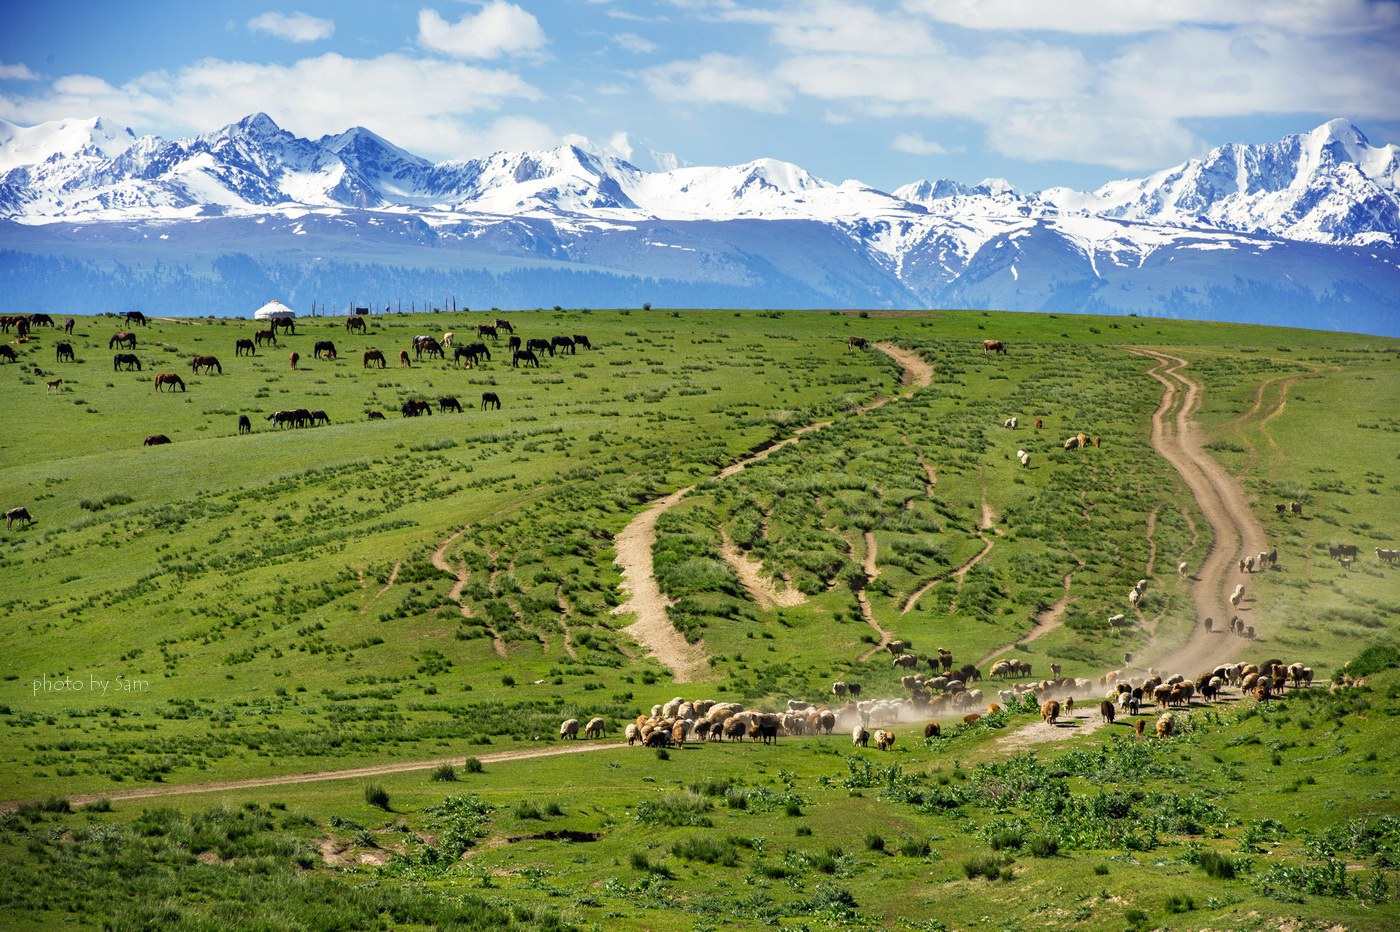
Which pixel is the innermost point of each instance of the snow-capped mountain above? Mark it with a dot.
(1194, 240)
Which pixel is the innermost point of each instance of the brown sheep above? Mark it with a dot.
(1140, 727)
(1050, 712)
(1069, 706)
(1165, 725)
(933, 730)
(971, 717)
(1107, 711)
(884, 740)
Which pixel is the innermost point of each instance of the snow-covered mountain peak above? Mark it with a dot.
(31, 145)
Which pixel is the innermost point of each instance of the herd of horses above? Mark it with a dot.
(528, 352)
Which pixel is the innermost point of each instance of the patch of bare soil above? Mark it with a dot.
(762, 588)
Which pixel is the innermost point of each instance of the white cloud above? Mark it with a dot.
(294, 27)
(716, 78)
(1127, 17)
(916, 144)
(18, 72)
(425, 103)
(499, 29)
(634, 43)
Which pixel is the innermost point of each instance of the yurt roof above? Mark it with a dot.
(273, 309)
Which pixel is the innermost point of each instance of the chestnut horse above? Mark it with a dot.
(207, 363)
(171, 379)
(374, 356)
(123, 338)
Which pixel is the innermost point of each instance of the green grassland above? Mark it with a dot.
(272, 604)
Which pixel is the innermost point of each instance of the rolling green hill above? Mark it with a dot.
(373, 592)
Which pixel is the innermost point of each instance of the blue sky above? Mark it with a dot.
(1041, 92)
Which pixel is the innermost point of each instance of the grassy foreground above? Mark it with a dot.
(242, 606)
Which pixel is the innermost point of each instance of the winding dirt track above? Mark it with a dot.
(1176, 436)
(653, 628)
(379, 770)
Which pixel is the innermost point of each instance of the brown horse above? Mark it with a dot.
(503, 324)
(993, 346)
(355, 324)
(487, 330)
(18, 514)
(284, 323)
(155, 440)
(374, 356)
(207, 363)
(490, 400)
(294, 358)
(55, 385)
(171, 379)
(242, 347)
(123, 338)
(856, 343)
(265, 336)
(403, 359)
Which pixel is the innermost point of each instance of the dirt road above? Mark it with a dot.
(653, 628)
(1177, 437)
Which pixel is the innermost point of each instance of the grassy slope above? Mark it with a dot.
(246, 581)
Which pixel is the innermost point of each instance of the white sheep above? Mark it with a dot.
(633, 733)
(594, 728)
(1237, 595)
(1181, 569)
(860, 737)
(569, 729)
(1134, 597)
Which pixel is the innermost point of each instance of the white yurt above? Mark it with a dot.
(274, 310)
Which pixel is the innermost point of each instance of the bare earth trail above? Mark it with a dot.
(761, 588)
(653, 628)
(379, 770)
(1177, 437)
(439, 560)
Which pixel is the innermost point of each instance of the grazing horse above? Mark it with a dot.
(245, 426)
(294, 358)
(284, 323)
(207, 363)
(513, 343)
(427, 345)
(171, 379)
(415, 407)
(8, 353)
(69, 324)
(21, 326)
(993, 346)
(55, 385)
(355, 324)
(503, 324)
(41, 320)
(447, 338)
(374, 356)
(123, 338)
(582, 340)
(374, 415)
(18, 514)
(283, 418)
(265, 336)
(135, 317)
(543, 346)
(155, 440)
(1038, 424)
(403, 359)
(530, 359)
(63, 351)
(243, 347)
(324, 348)
(562, 344)
(487, 330)
(127, 361)
(320, 417)
(449, 404)
(856, 343)
(470, 353)
(490, 400)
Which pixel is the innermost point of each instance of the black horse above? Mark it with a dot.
(541, 345)
(470, 353)
(449, 404)
(490, 400)
(529, 358)
(245, 426)
(324, 348)
(562, 344)
(582, 340)
(63, 351)
(126, 361)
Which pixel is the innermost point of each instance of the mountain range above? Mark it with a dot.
(1304, 231)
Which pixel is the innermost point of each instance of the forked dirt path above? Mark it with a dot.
(1177, 437)
(380, 770)
(762, 588)
(439, 560)
(645, 600)
(1045, 622)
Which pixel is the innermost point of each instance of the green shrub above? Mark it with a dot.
(445, 773)
(474, 765)
(874, 842)
(376, 796)
(1217, 865)
(675, 809)
(985, 865)
(1044, 846)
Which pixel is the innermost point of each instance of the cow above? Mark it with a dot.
(993, 346)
